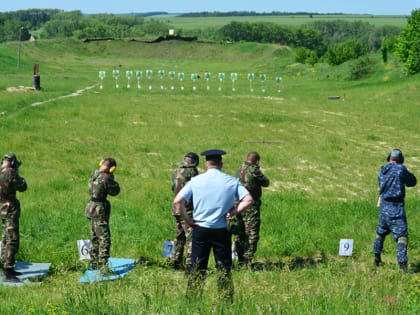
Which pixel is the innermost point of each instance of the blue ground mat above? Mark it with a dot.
(31, 273)
(119, 266)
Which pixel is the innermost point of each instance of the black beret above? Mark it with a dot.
(213, 155)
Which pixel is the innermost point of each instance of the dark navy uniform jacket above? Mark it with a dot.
(393, 178)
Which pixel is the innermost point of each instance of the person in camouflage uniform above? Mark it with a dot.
(248, 228)
(10, 182)
(392, 178)
(98, 210)
(183, 232)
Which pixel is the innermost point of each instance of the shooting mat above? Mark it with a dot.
(31, 273)
(120, 266)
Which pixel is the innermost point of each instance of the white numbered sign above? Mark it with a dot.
(346, 247)
(168, 249)
(83, 248)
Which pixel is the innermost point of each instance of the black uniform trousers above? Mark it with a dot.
(205, 239)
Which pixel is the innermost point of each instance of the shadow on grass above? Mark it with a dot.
(288, 263)
(415, 267)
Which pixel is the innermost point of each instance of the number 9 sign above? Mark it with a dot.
(346, 247)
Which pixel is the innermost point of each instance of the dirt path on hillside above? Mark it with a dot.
(77, 93)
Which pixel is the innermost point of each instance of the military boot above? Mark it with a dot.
(176, 265)
(9, 275)
(106, 270)
(243, 263)
(94, 265)
(14, 272)
(403, 267)
(377, 261)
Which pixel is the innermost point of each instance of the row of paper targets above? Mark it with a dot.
(179, 78)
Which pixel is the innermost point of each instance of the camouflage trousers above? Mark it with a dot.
(183, 239)
(10, 214)
(98, 214)
(248, 234)
(398, 227)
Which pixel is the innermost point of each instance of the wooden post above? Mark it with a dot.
(37, 78)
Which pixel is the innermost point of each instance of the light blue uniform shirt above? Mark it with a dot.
(214, 194)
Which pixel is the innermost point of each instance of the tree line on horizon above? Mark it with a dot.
(334, 41)
(253, 13)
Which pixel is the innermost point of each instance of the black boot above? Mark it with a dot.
(93, 265)
(243, 263)
(176, 265)
(106, 270)
(404, 267)
(9, 275)
(14, 272)
(377, 261)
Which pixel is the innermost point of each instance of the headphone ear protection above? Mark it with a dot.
(112, 169)
(396, 153)
(14, 162)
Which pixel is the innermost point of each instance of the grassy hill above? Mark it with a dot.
(322, 157)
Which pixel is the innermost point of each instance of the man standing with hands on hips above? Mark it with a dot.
(214, 194)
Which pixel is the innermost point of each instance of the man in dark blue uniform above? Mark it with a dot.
(393, 178)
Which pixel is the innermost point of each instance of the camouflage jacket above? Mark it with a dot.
(181, 176)
(10, 182)
(251, 176)
(393, 178)
(102, 184)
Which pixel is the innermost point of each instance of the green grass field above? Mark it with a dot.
(322, 157)
(192, 23)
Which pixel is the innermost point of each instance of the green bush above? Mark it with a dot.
(409, 44)
(306, 56)
(342, 52)
(361, 68)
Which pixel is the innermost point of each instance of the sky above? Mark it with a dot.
(386, 7)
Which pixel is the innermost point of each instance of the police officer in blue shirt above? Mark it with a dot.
(214, 194)
(393, 178)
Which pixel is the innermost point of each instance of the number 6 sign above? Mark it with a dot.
(83, 247)
(346, 247)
